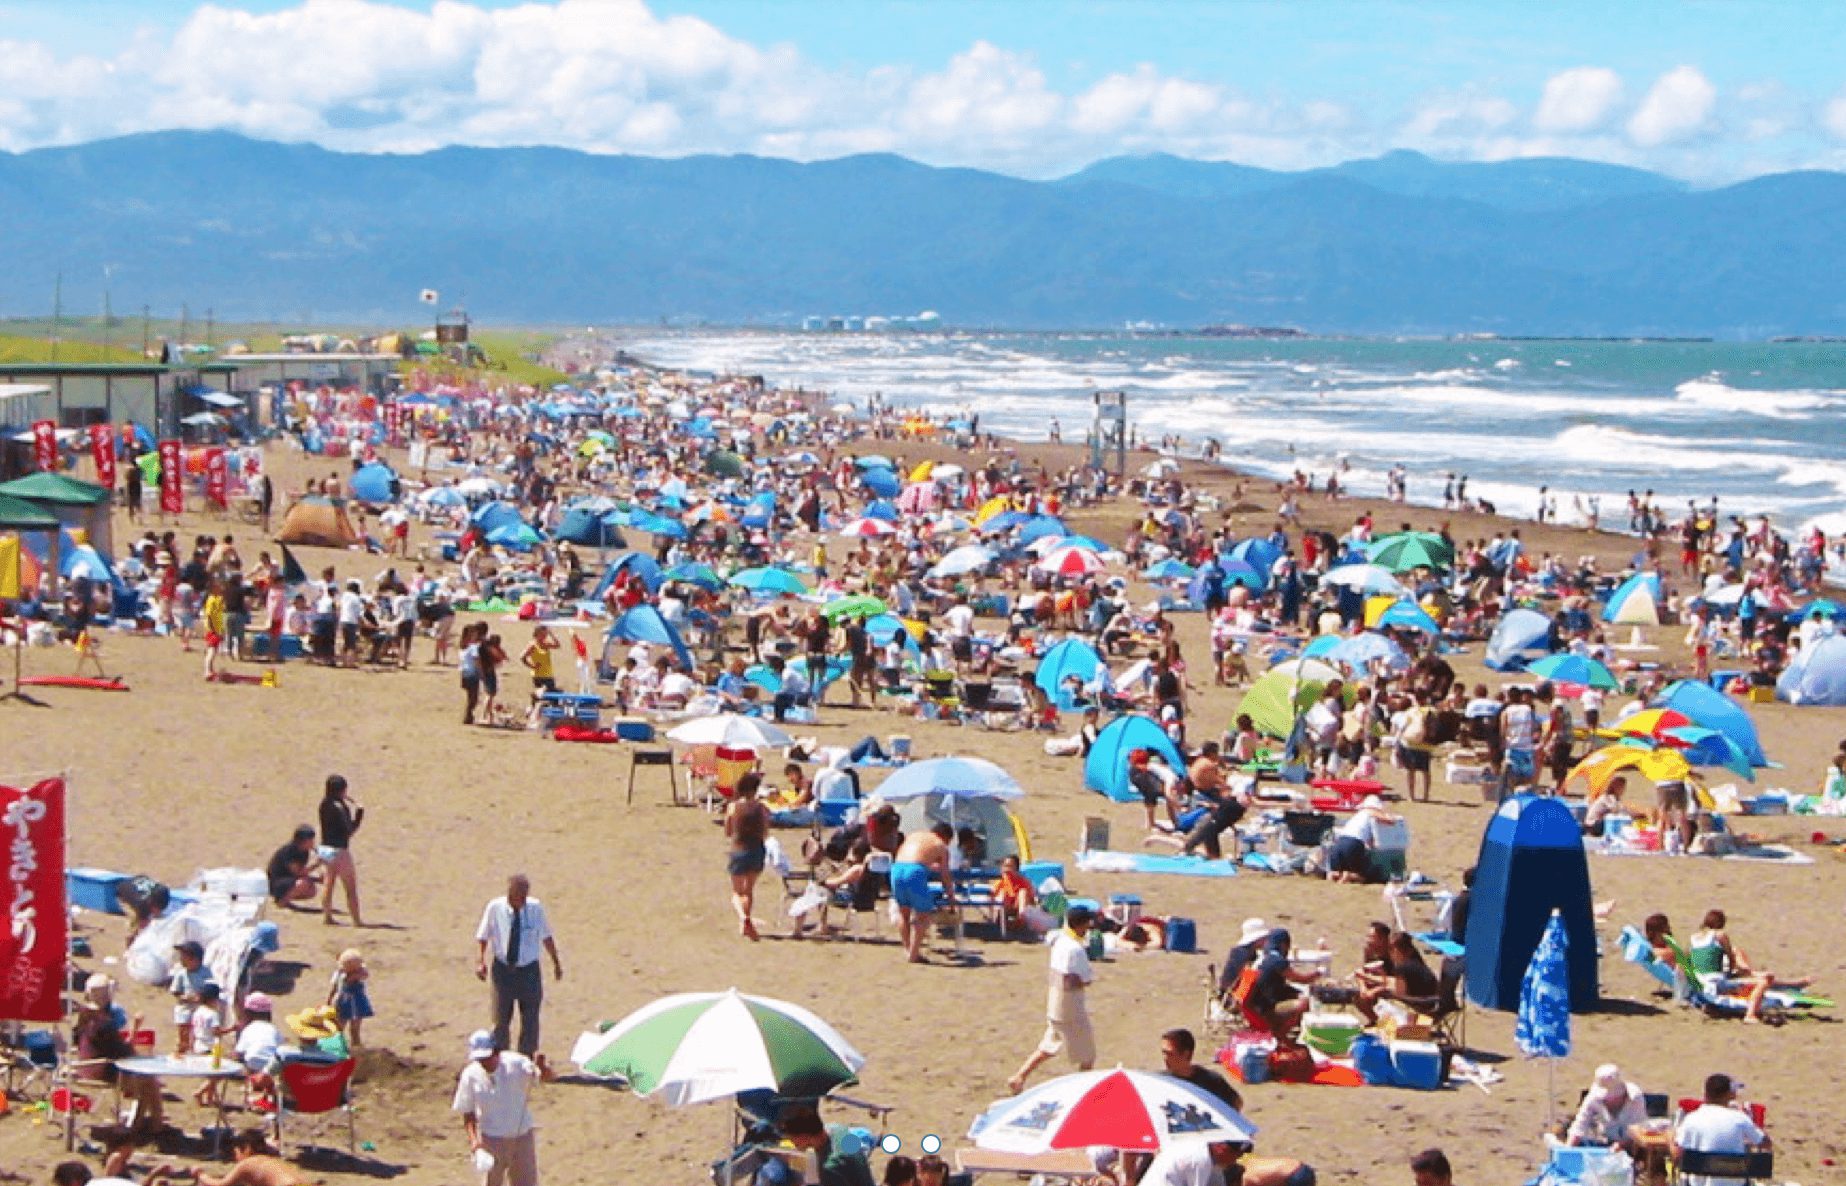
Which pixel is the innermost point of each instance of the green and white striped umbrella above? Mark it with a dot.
(697, 1046)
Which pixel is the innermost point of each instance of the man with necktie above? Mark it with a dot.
(513, 929)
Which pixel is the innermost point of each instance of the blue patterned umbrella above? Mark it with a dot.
(1541, 1027)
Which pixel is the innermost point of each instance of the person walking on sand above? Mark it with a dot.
(493, 1096)
(746, 825)
(340, 817)
(916, 858)
(1067, 1014)
(512, 930)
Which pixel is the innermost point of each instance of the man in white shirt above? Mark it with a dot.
(1717, 1126)
(1067, 1015)
(493, 1096)
(512, 930)
(1192, 1164)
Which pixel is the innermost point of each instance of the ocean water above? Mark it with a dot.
(1761, 426)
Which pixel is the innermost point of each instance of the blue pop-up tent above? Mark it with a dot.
(588, 527)
(1072, 657)
(1817, 675)
(1522, 635)
(1106, 769)
(643, 623)
(490, 515)
(1531, 863)
(376, 482)
(639, 563)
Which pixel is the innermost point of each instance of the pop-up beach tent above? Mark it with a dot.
(1817, 675)
(376, 483)
(1106, 769)
(1531, 863)
(643, 623)
(1522, 635)
(1071, 658)
(318, 521)
(640, 564)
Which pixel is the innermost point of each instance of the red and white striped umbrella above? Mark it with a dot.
(1118, 1109)
(867, 528)
(1071, 562)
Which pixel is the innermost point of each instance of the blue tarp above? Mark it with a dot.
(1106, 769)
(1531, 863)
(1521, 635)
(1707, 706)
(1817, 675)
(1072, 657)
(373, 483)
(643, 623)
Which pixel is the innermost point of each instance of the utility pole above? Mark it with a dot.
(185, 321)
(108, 318)
(57, 313)
(210, 322)
(147, 338)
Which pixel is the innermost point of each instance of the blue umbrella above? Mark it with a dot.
(884, 509)
(1567, 668)
(881, 482)
(963, 560)
(1821, 609)
(1036, 527)
(1408, 615)
(952, 778)
(519, 536)
(769, 580)
(694, 574)
(873, 461)
(1541, 1026)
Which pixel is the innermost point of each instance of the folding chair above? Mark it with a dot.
(1747, 1167)
(316, 1089)
(1449, 1021)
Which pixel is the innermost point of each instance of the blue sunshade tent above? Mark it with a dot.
(1105, 771)
(1522, 635)
(643, 623)
(701, 575)
(1036, 527)
(1234, 571)
(1071, 658)
(640, 564)
(1260, 554)
(518, 536)
(1705, 705)
(373, 483)
(1531, 863)
(1817, 675)
(1407, 615)
(1169, 569)
(589, 527)
(1636, 601)
(490, 515)
(1360, 651)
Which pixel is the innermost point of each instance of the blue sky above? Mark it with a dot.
(1708, 90)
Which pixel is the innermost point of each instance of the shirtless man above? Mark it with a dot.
(255, 1165)
(917, 857)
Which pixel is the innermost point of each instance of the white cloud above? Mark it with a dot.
(1451, 115)
(1678, 106)
(1833, 117)
(1578, 100)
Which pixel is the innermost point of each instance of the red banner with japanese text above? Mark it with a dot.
(35, 943)
(45, 445)
(172, 478)
(214, 477)
(102, 452)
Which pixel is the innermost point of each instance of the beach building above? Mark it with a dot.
(155, 395)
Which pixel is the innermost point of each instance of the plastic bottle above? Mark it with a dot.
(217, 1052)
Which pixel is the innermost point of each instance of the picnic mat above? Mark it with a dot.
(1104, 861)
(1326, 1074)
(1761, 854)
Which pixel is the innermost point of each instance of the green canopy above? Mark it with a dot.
(725, 464)
(1407, 550)
(1267, 702)
(855, 605)
(16, 514)
(56, 488)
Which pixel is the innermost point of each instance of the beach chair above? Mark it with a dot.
(1222, 1016)
(701, 763)
(1745, 1167)
(31, 1062)
(311, 1088)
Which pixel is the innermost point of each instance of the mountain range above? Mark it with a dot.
(1399, 244)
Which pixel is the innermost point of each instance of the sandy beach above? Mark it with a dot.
(179, 775)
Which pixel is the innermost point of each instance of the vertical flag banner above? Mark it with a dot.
(45, 445)
(214, 477)
(35, 942)
(172, 478)
(102, 452)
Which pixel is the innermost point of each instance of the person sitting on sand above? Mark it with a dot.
(291, 870)
(255, 1164)
(1718, 965)
(920, 855)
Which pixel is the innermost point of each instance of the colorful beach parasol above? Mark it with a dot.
(1119, 1109)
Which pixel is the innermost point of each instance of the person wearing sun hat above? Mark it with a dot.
(1610, 1110)
(1249, 945)
(259, 1049)
(493, 1098)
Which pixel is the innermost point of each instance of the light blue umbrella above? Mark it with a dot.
(769, 580)
(694, 574)
(1362, 650)
(952, 778)
(1581, 670)
(873, 461)
(1364, 578)
(513, 535)
(1407, 615)
(1541, 1026)
(963, 560)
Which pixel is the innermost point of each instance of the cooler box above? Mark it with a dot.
(1372, 1059)
(94, 889)
(627, 730)
(732, 765)
(900, 747)
(1331, 1033)
(1417, 1065)
(1124, 908)
(1038, 872)
(1182, 935)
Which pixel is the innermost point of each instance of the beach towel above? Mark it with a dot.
(1105, 861)
(570, 732)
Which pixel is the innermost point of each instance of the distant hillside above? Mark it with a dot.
(1401, 244)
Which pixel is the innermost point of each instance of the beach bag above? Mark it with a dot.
(1291, 1064)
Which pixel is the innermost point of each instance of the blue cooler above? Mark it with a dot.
(1372, 1059)
(94, 889)
(1253, 1064)
(1182, 935)
(1417, 1064)
(634, 731)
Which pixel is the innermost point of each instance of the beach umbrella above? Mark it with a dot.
(801, 458)
(475, 487)
(442, 496)
(768, 580)
(1658, 765)
(867, 528)
(1119, 1109)
(1071, 562)
(963, 560)
(1259, 553)
(1541, 1025)
(1037, 527)
(764, 677)
(1406, 550)
(882, 508)
(1580, 670)
(856, 605)
(951, 778)
(947, 473)
(693, 573)
(1821, 609)
(1406, 615)
(921, 472)
(1708, 747)
(1713, 709)
(1320, 644)
(1362, 650)
(692, 1047)
(724, 463)
(730, 729)
(881, 482)
(873, 461)
(1648, 722)
(919, 498)
(1365, 578)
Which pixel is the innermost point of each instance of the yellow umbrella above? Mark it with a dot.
(1658, 765)
(993, 506)
(922, 471)
(1648, 723)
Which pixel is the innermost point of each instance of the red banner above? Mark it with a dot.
(36, 941)
(102, 452)
(214, 477)
(172, 478)
(45, 445)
